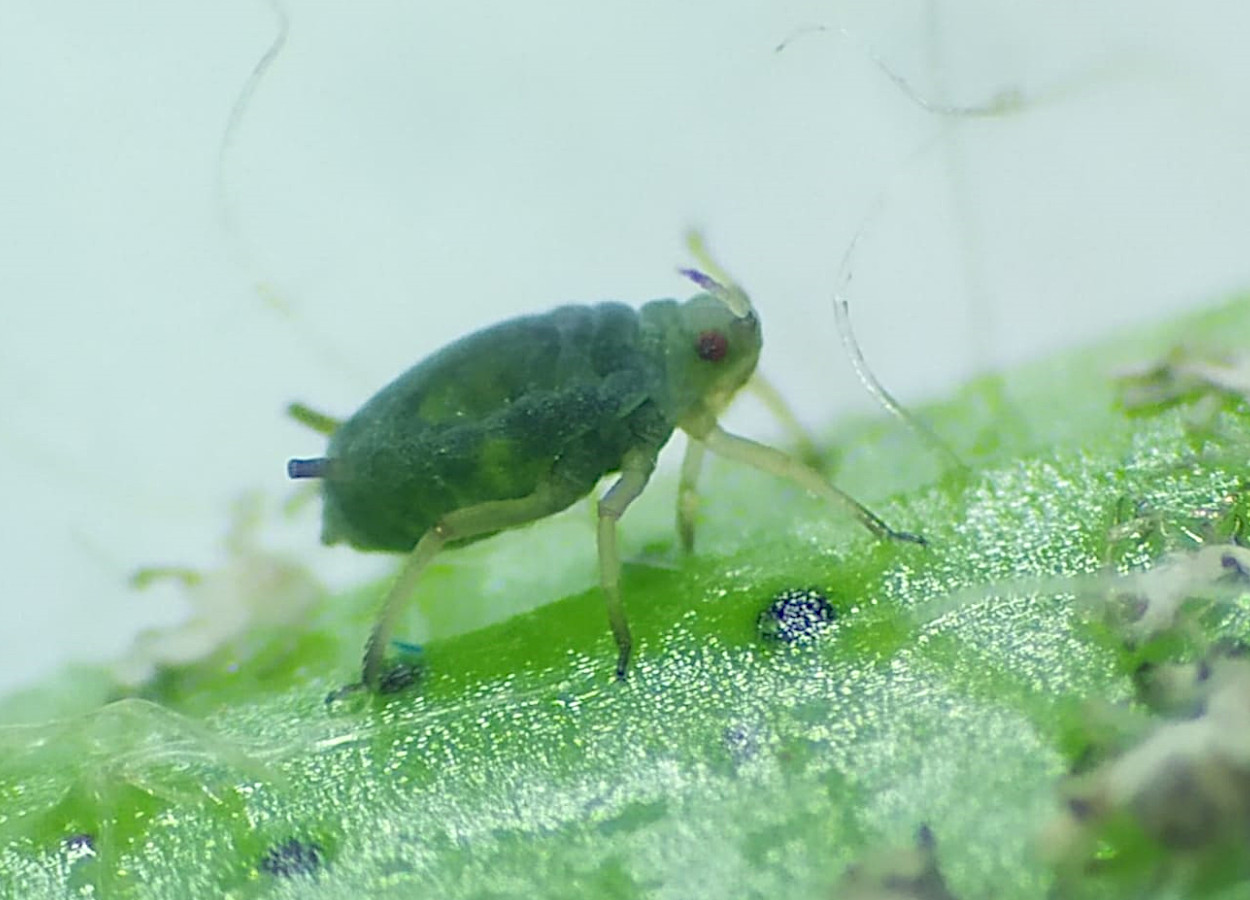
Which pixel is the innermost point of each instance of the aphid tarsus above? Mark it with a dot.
(520, 420)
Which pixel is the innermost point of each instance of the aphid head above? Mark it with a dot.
(718, 338)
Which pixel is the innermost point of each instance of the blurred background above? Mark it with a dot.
(1043, 173)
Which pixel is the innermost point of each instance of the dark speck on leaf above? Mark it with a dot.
(742, 741)
(79, 845)
(292, 858)
(1233, 567)
(1080, 808)
(797, 614)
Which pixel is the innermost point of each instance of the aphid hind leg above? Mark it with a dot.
(484, 518)
(150, 575)
(311, 418)
(688, 492)
(635, 472)
(769, 459)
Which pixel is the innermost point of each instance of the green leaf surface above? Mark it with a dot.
(953, 687)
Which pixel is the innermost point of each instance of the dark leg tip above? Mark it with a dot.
(399, 677)
(396, 678)
(908, 537)
(622, 665)
(346, 691)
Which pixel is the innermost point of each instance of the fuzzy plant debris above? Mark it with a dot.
(1050, 699)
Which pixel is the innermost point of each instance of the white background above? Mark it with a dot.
(409, 171)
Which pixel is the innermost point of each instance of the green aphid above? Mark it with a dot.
(522, 419)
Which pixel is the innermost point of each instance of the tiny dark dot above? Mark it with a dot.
(1145, 670)
(1086, 758)
(1080, 808)
(1234, 566)
(79, 843)
(1137, 607)
(795, 615)
(292, 858)
(742, 741)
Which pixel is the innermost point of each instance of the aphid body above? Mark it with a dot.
(542, 405)
(520, 420)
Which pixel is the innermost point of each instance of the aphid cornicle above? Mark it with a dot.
(520, 420)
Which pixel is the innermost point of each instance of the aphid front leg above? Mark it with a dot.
(688, 492)
(773, 461)
(804, 444)
(635, 471)
(484, 518)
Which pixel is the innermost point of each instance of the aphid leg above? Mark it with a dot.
(310, 418)
(688, 492)
(635, 472)
(776, 404)
(149, 575)
(769, 459)
(484, 518)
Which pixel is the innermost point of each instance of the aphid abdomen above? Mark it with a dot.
(559, 396)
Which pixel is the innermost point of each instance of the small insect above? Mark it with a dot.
(1154, 602)
(231, 605)
(1185, 785)
(1184, 375)
(520, 420)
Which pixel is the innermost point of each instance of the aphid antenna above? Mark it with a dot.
(1006, 102)
(229, 135)
(227, 217)
(714, 279)
(842, 316)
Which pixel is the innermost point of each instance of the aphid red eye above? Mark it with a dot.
(712, 346)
